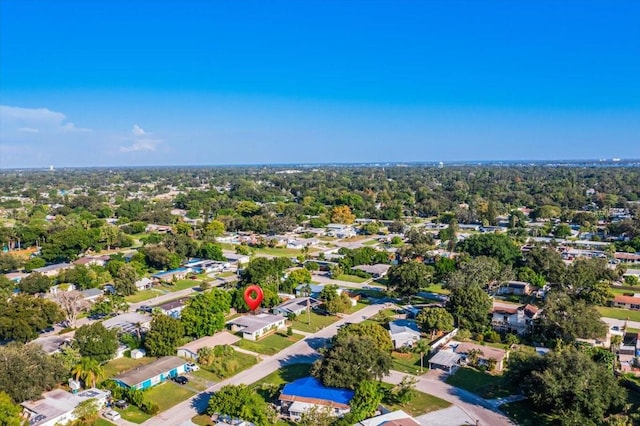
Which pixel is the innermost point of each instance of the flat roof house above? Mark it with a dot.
(404, 333)
(129, 322)
(295, 306)
(173, 308)
(307, 393)
(190, 350)
(173, 274)
(92, 294)
(255, 326)
(445, 360)
(53, 270)
(56, 406)
(148, 375)
(378, 270)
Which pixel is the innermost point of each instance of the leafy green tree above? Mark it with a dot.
(546, 262)
(89, 371)
(350, 361)
(368, 330)
(22, 316)
(573, 389)
(433, 320)
(404, 391)
(295, 278)
(35, 283)
(211, 251)
(10, 412)
(562, 231)
(67, 243)
(498, 246)
(26, 371)
(9, 262)
(96, 342)
(470, 307)
(164, 336)
(319, 416)
(241, 402)
(125, 280)
(262, 270)
(568, 319)
(34, 263)
(483, 271)
(204, 313)
(407, 279)
(87, 411)
(365, 401)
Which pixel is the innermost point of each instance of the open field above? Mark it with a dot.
(617, 313)
(270, 345)
(486, 385)
(318, 322)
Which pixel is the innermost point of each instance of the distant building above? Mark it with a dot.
(53, 270)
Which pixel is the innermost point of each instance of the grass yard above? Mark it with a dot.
(421, 403)
(143, 295)
(407, 363)
(226, 274)
(180, 285)
(618, 313)
(522, 414)
(117, 366)
(133, 414)
(351, 278)
(317, 322)
(352, 309)
(371, 243)
(202, 420)
(284, 375)
(436, 288)
(168, 394)
(225, 367)
(270, 345)
(486, 385)
(100, 421)
(277, 251)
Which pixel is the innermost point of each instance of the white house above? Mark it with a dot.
(190, 350)
(307, 393)
(56, 406)
(404, 333)
(519, 319)
(339, 230)
(255, 326)
(144, 283)
(129, 322)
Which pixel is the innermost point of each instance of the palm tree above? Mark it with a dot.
(89, 371)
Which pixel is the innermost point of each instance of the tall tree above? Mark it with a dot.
(96, 342)
(568, 319)
(164, 336)
(240, 401)
(10, 412)
(368, 330)
(470, 307)
(433, 320)
(89, 371)
(407, 279)
(125, 280)
(35, 283)
(72, 303)
(204, 313)
(22, 316)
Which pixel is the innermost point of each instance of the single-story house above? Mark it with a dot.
(16, 277)
(301, 243)
(173, 274)
(307, 393)
(255, 326)
(173, 308)
(148, 375)
(92, 260)
(394, 418)
(129, 322)
(514, 318)
(316, 289)
(238, 259)
(404, 333)
(143, 283)
(56, 406)
(518, 288)
(378, 270)
(190, 350)
(627, 302)
(161, 229)
(295, 306)
(448, 361)
(53, 270)
(486, 353)
(339, 230)
(627, 257)
(92, 294)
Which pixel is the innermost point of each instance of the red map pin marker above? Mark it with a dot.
(253, 295)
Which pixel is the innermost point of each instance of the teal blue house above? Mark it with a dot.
(149, 375)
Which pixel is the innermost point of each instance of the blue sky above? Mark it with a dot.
(107, 83)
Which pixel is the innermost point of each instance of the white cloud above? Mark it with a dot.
(141, 141)
(33, 120)
(138, 131)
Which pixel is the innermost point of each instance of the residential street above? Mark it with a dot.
(305, 351)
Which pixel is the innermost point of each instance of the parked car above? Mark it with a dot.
(47, 330)
(193, 367)
(181, 380)
(145, 308)
(121, 404)
(112, 415)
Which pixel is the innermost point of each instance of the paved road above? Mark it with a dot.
(302, 351)
(475, 407)
(620, 323)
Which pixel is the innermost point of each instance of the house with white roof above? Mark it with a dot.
(56, 406)
(404, 333)
(255, 326)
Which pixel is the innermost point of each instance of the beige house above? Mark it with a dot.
(255, 326)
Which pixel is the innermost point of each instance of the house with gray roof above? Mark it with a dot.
(404, 333)
(149, 375)
(295, 306)
(255, 326)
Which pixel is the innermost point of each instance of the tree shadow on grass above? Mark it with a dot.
(201, 401)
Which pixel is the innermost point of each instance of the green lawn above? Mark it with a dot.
(270, 345)
(486, 385)
(133, 414)
(226, 274)
(371, 242)
(168, 394)
(226, 366)
(421, 403)
(407, 363)
(277, 251)
(102, 422)
(618, 313)
(284, 375)
(351, 278)
(202, 420)
(436, 288)
(143, 295)
(120, 365)
(317, 322)
(359, 305)
(181, 285)
(522, 414)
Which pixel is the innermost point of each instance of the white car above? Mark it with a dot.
(112, 415)
(192, 367)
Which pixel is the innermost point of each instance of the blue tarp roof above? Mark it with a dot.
(310, 387)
